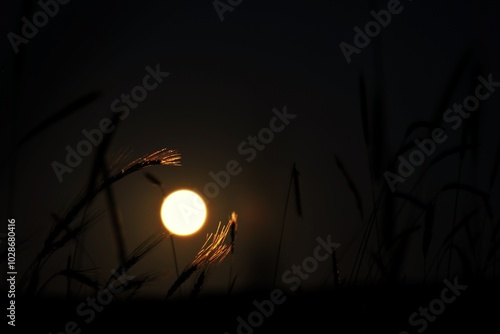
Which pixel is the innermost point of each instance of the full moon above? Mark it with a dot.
(183, 212)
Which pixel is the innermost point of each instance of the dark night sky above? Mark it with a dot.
(225, 79)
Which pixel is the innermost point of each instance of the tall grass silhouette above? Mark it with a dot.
(380, 257)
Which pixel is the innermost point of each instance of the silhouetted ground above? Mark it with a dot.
(344, 310)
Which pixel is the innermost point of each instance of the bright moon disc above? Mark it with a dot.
(183, 212)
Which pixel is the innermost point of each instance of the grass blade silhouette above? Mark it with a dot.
(146, 247)
(352, 186)
(428, 229)
(65, 112)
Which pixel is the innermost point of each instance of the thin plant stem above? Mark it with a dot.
(282, 229)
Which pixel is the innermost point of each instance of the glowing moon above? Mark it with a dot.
(183, 212)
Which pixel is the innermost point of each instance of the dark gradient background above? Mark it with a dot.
(225, 79)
